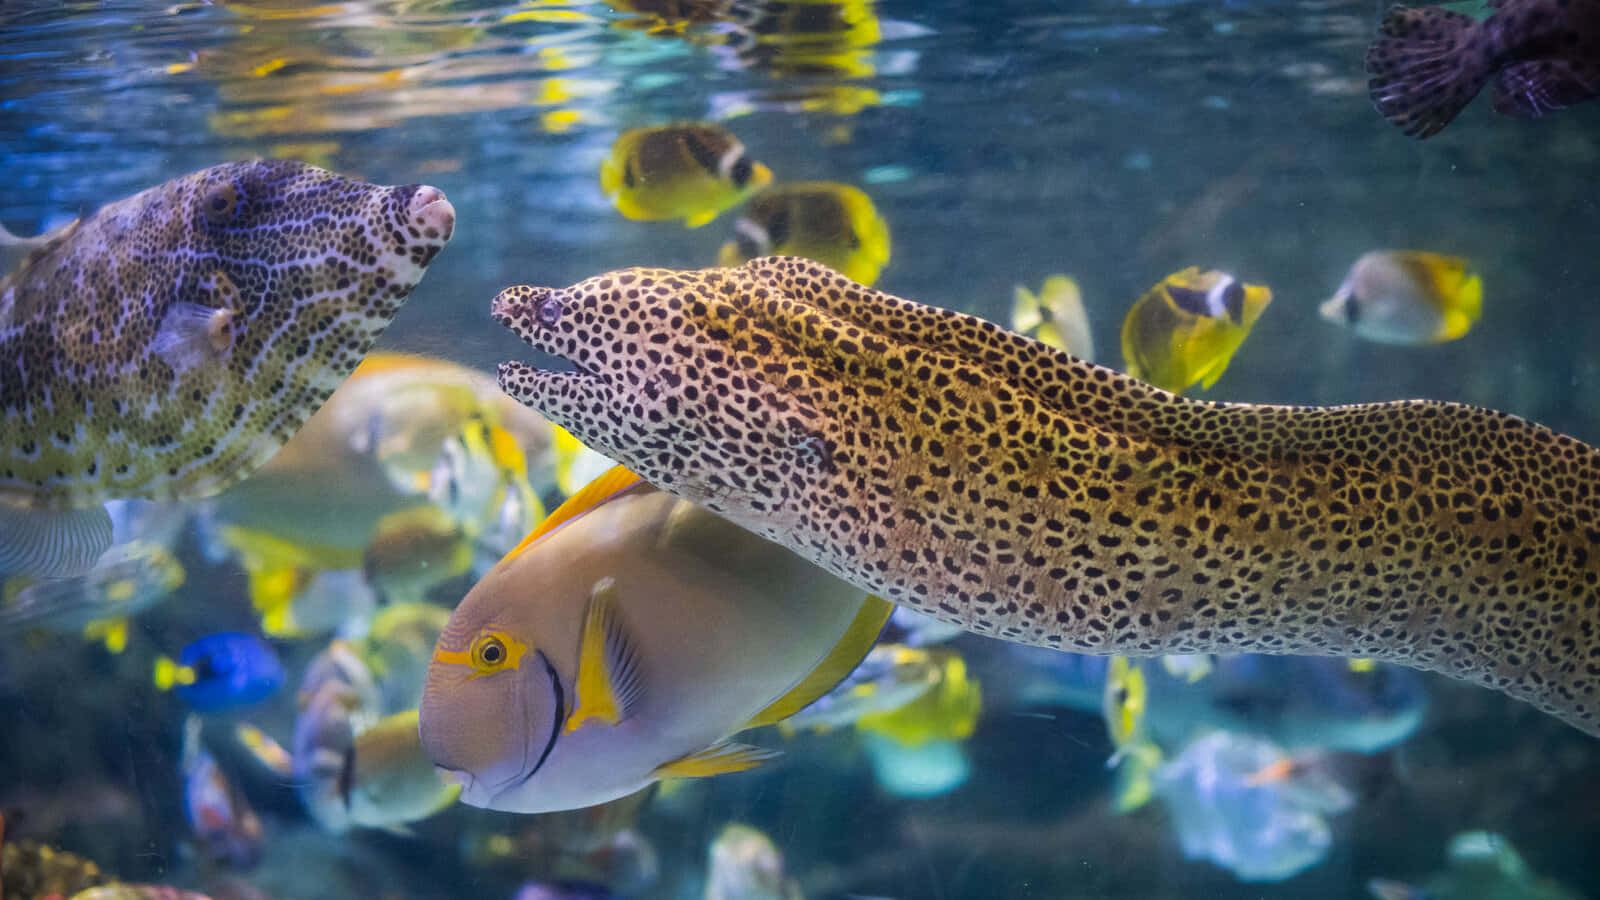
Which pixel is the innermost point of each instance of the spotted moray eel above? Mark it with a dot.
(994, 482)
(171, 342)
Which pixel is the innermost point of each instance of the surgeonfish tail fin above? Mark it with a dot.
(1423, 70)
(169, 673)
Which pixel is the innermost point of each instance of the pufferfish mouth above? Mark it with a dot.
(517, 308)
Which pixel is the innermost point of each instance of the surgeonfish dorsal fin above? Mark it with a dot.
(718, 759)
(609, 685)
(840, 661)
(613, 482)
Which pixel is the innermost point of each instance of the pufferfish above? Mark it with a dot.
(693, 171)
(1187, 328)
(1407, 297)
(627, 638)
(167, 345)
(834, 224)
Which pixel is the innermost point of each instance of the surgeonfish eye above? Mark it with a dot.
(221, 203)
(494, 651)
(548, 311)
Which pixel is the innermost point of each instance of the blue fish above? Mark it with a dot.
(221, 671)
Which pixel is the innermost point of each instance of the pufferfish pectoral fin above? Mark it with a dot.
(609, 684)
(720, 758)
(52, 543)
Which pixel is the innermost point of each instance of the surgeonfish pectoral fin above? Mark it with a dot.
(609, 685)
(613, 482)
(718, 759)
(840, 661)
(52, 543)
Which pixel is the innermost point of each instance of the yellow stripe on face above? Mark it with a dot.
(492, 651)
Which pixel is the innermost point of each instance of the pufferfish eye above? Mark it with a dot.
(221, 203)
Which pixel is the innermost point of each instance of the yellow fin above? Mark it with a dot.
(840, 661)
(703, 217)
(609, 687)
(112, 632)
(1025, 310)
(718, 759)
(169, 674)
(1135, 782)
(613, 482)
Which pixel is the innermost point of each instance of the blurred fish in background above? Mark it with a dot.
(429, 461)
(692, 171)
(834, 224)
(1055, 316)
(1407, 297)
(223, 671)
(127, 580)
(1186, 329)
(744, 864)
(225, 826)
(1244, 804)
(596, 845)
(1482, 865)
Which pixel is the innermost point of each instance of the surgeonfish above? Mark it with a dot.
(1428, 62)
(1407, 297)
(1043, 479)
(1226, 812)
(691, 171)
(413, 448)
(226, 670)
(1054, 316)
(744, 864)
(834, 224)
(210, 322)
(1186, 329)
(225, 826)
(624, 641)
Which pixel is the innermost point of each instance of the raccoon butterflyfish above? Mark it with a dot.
(834, 224)
(626, 640)
(1186, 329)
(991, 481)
(693, 171)
(1428, 62)
(1407, 297)
(167, 345)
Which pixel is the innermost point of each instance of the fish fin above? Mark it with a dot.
(609, 684)
(632, 209)
(264, 749)
(1388, 889)
(610, 176)
(52, 543)
(170, 674)
(1457, 291)
(7, 239)
(1530, 89)
(840, 662)
(616, 480)
(720, 758)
(111, 632)
(701, 218)
(1423, 68)
(192, 334)
(1135, 782)
(1025, 310)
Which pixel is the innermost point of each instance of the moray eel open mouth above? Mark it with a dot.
(535, 314)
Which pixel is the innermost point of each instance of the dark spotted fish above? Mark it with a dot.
(1428, 63)
(167, 345)
(991, 481)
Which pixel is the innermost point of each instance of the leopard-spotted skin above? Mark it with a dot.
(992, 481)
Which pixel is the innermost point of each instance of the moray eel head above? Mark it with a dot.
(687, 376)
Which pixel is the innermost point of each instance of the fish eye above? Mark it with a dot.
(1233, 300)
(221, 203)
(549, 311)
(742, 170)
(488, 653)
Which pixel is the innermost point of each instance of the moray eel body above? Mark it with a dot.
(992, 481)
